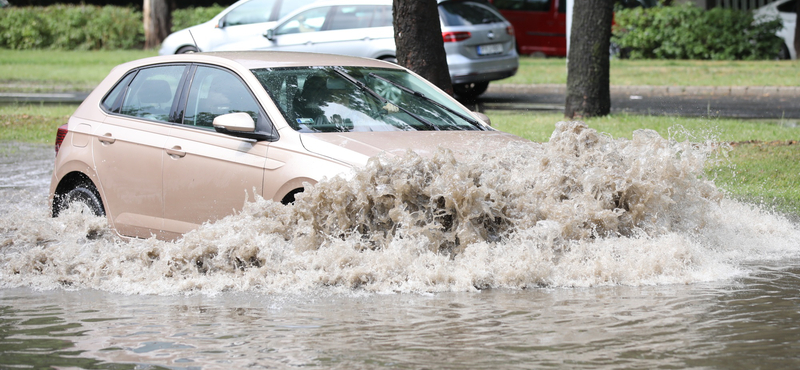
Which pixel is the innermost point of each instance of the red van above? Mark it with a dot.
(540, 26)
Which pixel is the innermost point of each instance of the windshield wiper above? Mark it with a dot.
(383, 100)
(422, 96)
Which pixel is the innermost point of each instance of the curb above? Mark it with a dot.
(59, 98)
(752, 91)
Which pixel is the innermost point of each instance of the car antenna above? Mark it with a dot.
(194, 41)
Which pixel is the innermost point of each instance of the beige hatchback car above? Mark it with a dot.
(167, 143)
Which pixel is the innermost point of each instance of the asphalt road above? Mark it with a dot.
(758, 103)
(736, 102)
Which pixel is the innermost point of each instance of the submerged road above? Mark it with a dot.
(727, 102)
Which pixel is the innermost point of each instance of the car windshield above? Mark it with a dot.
(361, 99)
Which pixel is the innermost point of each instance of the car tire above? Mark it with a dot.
(470, 90)
(187, 49)
(389, 59)
(84, 193)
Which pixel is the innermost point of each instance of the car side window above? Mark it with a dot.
(383, 17)
(349, 17)
(311, 20)
(254, 11)
(113, 100)
(152, 91)
(290, 6)
(215, 92)
(787, 7)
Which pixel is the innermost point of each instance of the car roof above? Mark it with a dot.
(263, 59)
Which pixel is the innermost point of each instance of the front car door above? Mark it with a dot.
(209, 175)
(300, 32)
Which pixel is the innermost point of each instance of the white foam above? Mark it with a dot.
(580, 210)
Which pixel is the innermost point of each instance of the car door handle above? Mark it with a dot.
(107, 139)
(176, 151)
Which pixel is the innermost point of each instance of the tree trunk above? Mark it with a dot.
(157, 22)
(796, 28)
(418, 37)
(588, 92)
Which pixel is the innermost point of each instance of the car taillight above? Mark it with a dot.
(60, 135)
(455, 36)
(510, 30)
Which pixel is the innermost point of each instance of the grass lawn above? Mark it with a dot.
(667, 72)
(59, 70)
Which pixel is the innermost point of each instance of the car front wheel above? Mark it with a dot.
(470, 90)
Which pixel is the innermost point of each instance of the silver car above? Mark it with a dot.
(239, 21)
(478, 41)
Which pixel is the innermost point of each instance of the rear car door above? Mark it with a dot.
(128, 147)
(209, 175)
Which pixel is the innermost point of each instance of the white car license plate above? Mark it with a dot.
(490, 49)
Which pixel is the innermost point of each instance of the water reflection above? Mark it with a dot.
(753, 322)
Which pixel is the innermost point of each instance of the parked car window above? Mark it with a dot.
(348, 17)
(383, 17)
(113, 100)
(530, 5)
(787, 7)
(254, 11)
(216, 92)
(322, 100)
(467, 13)
(308, 21)
(290, 6)
(152, 92)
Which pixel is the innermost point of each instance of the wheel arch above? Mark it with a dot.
(287, 192)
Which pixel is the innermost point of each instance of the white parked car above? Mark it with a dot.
(785, 9)
(478, 41)
(239, 21)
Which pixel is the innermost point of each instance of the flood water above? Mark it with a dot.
(583, 252)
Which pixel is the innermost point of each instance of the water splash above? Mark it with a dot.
(580, 210)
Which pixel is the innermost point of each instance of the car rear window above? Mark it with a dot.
(465, 13)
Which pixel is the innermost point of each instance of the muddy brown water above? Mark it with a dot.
(583, 252)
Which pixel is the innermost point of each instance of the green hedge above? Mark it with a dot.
(85, 27)
(72, 27)
(183, 18)
(688, 32)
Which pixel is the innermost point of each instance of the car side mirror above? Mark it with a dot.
(240, 124)
(483, 118)
(270, 34)
(239, 121)
(221, 23)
